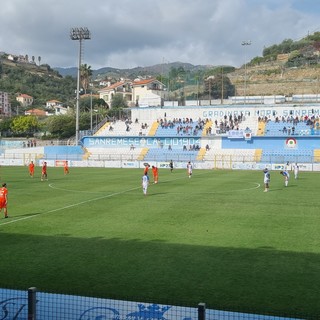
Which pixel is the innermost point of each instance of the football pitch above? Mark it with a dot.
(215, 238)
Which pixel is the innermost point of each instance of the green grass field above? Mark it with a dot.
(216, 238)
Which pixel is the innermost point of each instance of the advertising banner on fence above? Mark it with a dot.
(14, 305)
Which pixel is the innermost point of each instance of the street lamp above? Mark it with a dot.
(79, 34)
(245, 44)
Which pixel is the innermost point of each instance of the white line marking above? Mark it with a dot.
(69, 206)
(103, 197)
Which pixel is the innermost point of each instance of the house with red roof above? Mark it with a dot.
(145, 92)
(25, 100)
(148, 92)
(121, 87)
(53, 103)
(35, 112)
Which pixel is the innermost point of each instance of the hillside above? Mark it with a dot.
(270, 78)
(274, 79)
(270, 74)
(154, 70)
(40, 82)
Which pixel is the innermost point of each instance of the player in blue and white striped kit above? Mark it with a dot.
(266, 179)
(286, 176)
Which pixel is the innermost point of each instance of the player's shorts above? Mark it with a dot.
(3, 204)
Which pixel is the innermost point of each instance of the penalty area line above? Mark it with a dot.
(67, 207)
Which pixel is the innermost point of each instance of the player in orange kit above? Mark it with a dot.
(44, 175)
(155, 174)
(66, 168)
(31, 169)
(4, 199)
(146, 168)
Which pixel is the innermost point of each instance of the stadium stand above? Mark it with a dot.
(102, 154)
(283, 156)
(167, 155)
(63, 153)
(124, 128)
(273, 128)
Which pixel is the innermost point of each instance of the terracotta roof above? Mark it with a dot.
(36, 112)
(86, 95)
(23, 95)
(142, 82)
(54, 101)
(115, 85)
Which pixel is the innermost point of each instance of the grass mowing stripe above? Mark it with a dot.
(191, 240)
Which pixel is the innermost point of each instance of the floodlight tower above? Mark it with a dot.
(245, 44)
(79, 34)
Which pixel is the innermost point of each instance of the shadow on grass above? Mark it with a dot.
(263, 280)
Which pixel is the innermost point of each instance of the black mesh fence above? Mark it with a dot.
(32, 304)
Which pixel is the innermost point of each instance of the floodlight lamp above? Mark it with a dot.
(80, 33)
(246, 43)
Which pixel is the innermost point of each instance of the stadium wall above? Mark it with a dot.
(218, 112)
(124, 159)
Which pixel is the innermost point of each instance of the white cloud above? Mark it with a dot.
(127, 33)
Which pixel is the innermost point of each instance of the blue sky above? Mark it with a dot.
(307, 6)
(127, 34)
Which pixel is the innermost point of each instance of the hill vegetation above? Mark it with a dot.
(285, 62)
(40, 82)
(291, 67)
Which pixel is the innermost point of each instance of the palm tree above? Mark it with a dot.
(85, 76)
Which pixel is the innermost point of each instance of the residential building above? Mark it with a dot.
(35, 112)
(5, 107)
(122, 87)
(25, 100)
(60, 110)
(53, 103)
(148, 92)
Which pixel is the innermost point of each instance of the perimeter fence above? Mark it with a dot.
(32, 304)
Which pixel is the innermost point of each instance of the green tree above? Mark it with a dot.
(217, 86)
(85, 76)
(25, 125)
(16, 107)
(118, 101)
(85, 103)
(118, 106)
(5, 127)
(61, 126)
